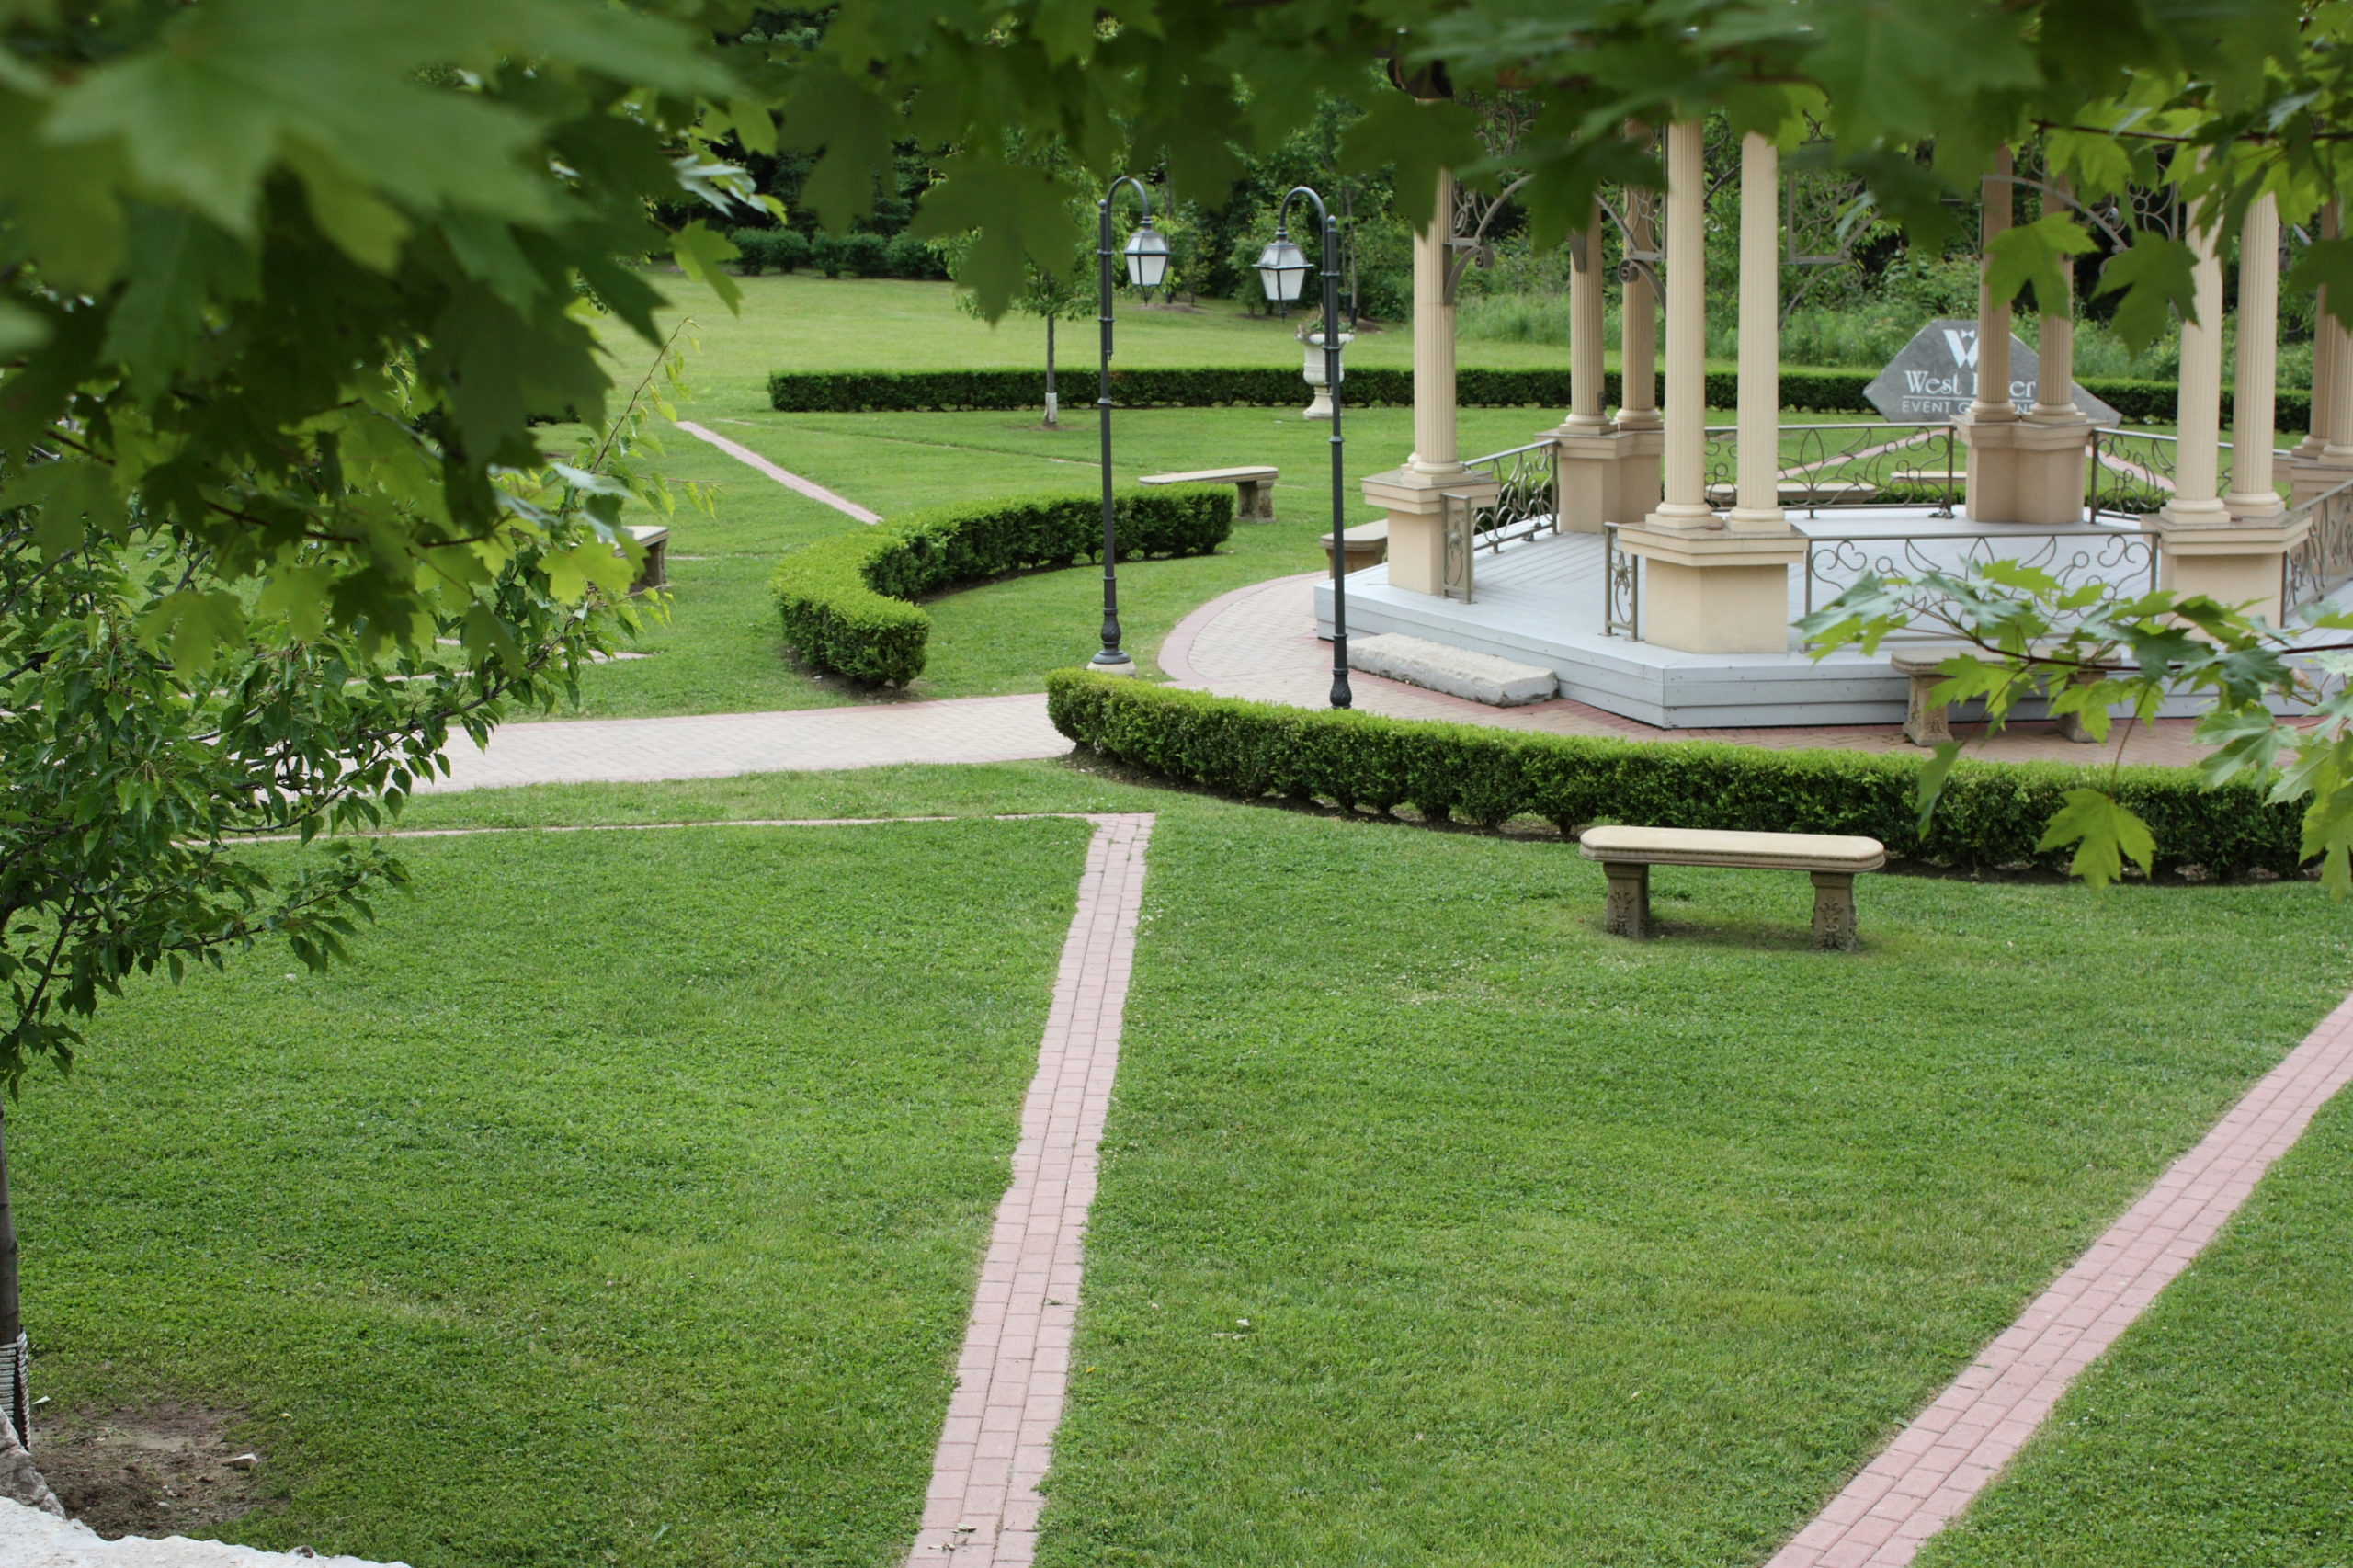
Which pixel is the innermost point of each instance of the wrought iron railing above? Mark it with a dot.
(1527, 504)
(1829, 466)
(2323, 562)
(1621, 588)
(2132, 471)
(2120, 562)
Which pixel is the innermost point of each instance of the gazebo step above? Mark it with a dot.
(1458, 672)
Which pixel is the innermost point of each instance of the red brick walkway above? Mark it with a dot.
(982, 1505)
(1939, 1463)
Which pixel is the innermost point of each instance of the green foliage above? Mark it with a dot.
(770, 250)
(2086, 651)
(844, 601)
(1991, 815)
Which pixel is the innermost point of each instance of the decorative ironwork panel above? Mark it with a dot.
(1455, 522)
(2122, 562)
(1825, 467)
(1621, 588)
(2324, 561)
(2132, 473)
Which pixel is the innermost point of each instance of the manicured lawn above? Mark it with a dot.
(1563, 1248)
(620, 1203)
(2220, 1429)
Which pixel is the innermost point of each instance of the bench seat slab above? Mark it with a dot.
(1752, 851)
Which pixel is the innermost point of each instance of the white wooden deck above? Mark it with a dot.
(1540, 601)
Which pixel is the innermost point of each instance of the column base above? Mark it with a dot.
(1993, 443)
(2050, 462)
(2308, 478)
(1415, 500)
(2233, 563)
(1715, 593)
(1589, 469)
(1641, 449)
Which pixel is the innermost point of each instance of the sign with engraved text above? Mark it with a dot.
(1935, 376)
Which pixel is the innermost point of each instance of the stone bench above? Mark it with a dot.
(1627, 854)
(654, 570)
(1798, 492)
(1254, 488)
(1365, 545)
(1927, 722)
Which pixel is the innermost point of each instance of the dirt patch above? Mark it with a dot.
(161, 1470)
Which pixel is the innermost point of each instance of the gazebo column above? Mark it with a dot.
(1711, 587)
(2054, 439)
(1990, 424)
(1414, 497)
(2231, 548)
(2312, 472)
(1642, 433)
(1585, 444)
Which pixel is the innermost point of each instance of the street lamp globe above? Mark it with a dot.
(1283, 270)
(1146, 254)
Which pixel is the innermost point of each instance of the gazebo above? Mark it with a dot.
(1657, 565)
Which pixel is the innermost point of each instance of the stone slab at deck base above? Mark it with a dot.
(1458, 672)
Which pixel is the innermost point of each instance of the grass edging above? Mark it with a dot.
(1991, 817)
(846, 602)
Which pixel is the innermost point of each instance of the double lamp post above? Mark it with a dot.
(1282, 273)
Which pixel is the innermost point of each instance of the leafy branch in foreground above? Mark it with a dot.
(2280, 705)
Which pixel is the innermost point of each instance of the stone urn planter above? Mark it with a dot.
(1321, 408)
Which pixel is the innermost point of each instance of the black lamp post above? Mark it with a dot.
(1146, 254)
(1282, 271)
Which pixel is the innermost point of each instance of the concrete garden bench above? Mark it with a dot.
(1799, 491)
(1254, 488)
(1365, 545)
(653, 572)
(1627, 855)
(1927, 722)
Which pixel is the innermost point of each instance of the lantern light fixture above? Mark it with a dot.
(1146, 255)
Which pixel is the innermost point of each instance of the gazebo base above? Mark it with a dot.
(1541, 601)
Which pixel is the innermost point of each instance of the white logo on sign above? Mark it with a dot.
(1964, 347)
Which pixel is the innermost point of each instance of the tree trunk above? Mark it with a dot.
(17, 1400)
(1053, 404)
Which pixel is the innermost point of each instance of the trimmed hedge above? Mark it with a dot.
(1992, 814)
(1811, 392)
(845, 601)
(909, 392)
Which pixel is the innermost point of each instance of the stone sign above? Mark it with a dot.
(1935, 376)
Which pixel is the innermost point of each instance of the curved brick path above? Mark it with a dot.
(1260, 642)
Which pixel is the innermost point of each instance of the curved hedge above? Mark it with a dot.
(1992, 814)
(844, 601)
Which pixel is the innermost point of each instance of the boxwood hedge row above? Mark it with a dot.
(1991, 817)
(1816, 392)
(845, 601)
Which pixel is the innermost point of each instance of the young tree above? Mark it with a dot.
(1054, 296)
(284, 288)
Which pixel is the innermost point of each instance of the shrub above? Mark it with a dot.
(906, 257)
(1992, 814)
(769, 250)
(845, 600)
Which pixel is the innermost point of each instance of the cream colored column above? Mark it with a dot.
(2252, 497)
(2197, 478)
(2052, 444)
(1641, 434)
(1992, 402)
(1414, 497)
(1434, 421)
(1585, 447)
(2333, 361)
(1759, 502)
(2054, 348)
(2324, 389)
(1989, 425)
(1684, 481)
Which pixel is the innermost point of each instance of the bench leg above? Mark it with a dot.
(1925, 723)
(1628, 912)
(1255, 501)
(2070, 726)
(1833, 910)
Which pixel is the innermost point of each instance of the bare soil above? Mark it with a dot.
(162, 1470)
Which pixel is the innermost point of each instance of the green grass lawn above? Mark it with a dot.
(618, 1204)
(1553, 1248)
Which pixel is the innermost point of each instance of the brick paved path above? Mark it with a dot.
(972, 729)
(982, 1505)
(1955, 1447)
(1260, 642)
